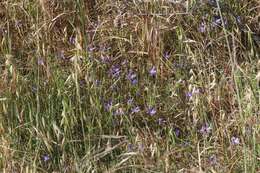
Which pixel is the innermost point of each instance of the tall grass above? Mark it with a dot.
(129, 86)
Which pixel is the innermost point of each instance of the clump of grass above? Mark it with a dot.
(129, 86)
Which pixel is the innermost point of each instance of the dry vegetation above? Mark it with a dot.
(129, 86)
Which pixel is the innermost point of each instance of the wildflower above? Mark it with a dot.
(194, 91)
(153, 71)
(135, 81)
(205, 129)
(166, 55)
(115, 71)
(91, 48)
(151, 111)
(189, 94)
(135, 109)
(46, 158)
(234, 140)
(202, 27)
(238, 19)
(130, 147)
(216, 21)
(108, 105)
(131, 76)
(72, 40)
(177, 132)
(130, 101)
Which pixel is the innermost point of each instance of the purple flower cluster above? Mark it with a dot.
(132, 77)
(115, 71)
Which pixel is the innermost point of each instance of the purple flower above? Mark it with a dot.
(234, 140)
(91, 48)
(205, 129)
(151, 111)
(131, 76)
(134, 82)
(108, 105)
(238, 19)
(194, 91)
(202, 27)
(189, 94)
(130, 101)
(115, 71)
(177, 132)
(216, 21)
(72, 40)
(45, 158)
(130, 147)
(166, 55)
(135, 110)
(153, 71)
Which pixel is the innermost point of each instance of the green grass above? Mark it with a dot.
(72, 74)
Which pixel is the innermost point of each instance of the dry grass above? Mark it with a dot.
(129, 86)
